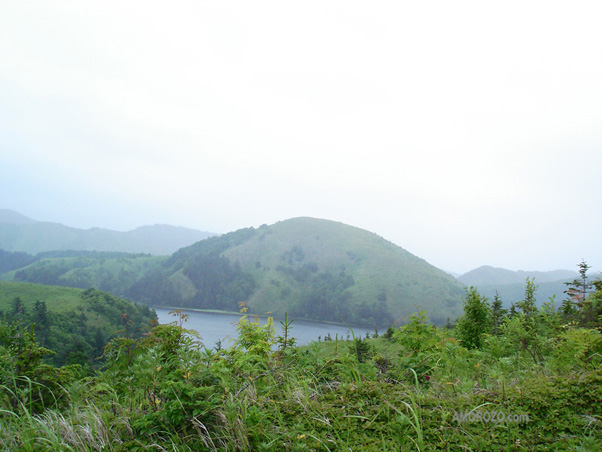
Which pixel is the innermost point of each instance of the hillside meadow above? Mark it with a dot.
(309, 268)
(108, 271)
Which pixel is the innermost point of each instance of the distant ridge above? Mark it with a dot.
(20, 233)
(487, 275)
(509, 285)
(11, 217)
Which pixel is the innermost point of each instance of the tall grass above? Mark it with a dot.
(170, 396)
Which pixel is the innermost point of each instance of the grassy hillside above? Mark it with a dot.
(377, 276)
(74, 323)
(17, 234)
(310, 268)
(58, 299)
(112, 272)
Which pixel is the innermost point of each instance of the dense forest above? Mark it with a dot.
(524, 379)
(199, 276)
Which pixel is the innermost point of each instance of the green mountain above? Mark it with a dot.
(74, 323)
(11, 261)
(19, 233)
(114, 272)
(309, 268)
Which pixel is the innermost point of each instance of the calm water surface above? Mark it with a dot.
(214, 327)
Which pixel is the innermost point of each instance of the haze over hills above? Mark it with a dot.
(308, 268)
(510, 285)
(20, 233)
(487, 275)
(11, 217)
(311, 268)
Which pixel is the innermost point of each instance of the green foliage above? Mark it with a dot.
(583, 303)
(476, 321)
(361, 349)
(510, 285)
(25, 379)
(285, 340)
(416, 390)
(12, 261)
(255, 339)
(418, 335)
(578, 349)
(578, 289)
(497, 314)
(328, 297)
(75, 324)
(407, 393)
(108, 271)
(198, 276)
(527, 304)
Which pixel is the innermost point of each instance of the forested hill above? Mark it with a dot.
(113, 272)
(20, 233)
(74, 323)
(310, 268)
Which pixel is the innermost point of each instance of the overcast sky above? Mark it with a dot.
(467, 132)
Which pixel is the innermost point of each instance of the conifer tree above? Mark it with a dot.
(41, 320)
(497, 313)
(18, 310)
(476, 320)
(527, 304)
(578, 289)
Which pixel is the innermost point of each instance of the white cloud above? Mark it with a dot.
(463, 131)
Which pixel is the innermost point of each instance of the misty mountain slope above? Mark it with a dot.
(19, 233)
(487, 276)
(310, 268)
(511, 293)
(11, 217)
(114, 272)
(510, 285)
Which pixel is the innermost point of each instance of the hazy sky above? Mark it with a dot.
(467, 132)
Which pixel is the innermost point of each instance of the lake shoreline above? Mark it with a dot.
(217, 327)
(264, 316)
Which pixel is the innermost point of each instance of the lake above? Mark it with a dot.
(214, 327)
